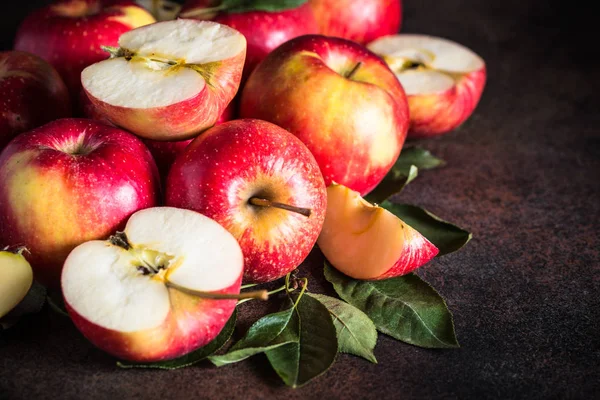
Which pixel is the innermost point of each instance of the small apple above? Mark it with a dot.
(264, 30)
(361, 21)
(170, 80)
(340, 99)
(368, 242)
(16, 278)
(67, 182)
(69, 33)
(160, 289)
(260, 183)
(442, 79)
(32, 94)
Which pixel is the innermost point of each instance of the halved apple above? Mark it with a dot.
(443, 80)
(16, 278)
(169, 80)
(368, 242)
(136, 295)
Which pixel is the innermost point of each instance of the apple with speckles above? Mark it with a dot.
(259, 182)
(340, 99)
(67, 182)
(69, 33)
(32, 94)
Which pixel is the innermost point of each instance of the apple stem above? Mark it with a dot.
(281, 289)
(257, 201)
(258, 295)
(351, 73)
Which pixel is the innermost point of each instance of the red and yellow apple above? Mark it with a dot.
(443, 80)
(340, 99)
(32, 94)
(69, 33)
(158, 290)
(365, 241)
(67, 182)
(259, 182)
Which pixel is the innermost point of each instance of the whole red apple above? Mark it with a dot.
(68, 33)
(32, 92)
(260, 183)
(340, 99)
(359, 20)
(67, 182)
(264, 30)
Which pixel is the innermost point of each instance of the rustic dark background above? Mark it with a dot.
(522, 174)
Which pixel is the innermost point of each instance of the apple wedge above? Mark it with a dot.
(161, 289)
(169, 80)
(16, 277)
(443, 80)
(368, 242)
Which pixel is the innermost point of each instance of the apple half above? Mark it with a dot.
(136, 296)
(443, 80)
(368, 242)
(16, 278)
(169, 80)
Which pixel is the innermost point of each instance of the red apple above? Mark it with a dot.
(340, 99)
(264, 30)
(67, 182)
(170, 80)
(152, 292)
(68, 33)
(259, 182)
(32, 94)
(443, 80)
(365, 241)
(361, 21)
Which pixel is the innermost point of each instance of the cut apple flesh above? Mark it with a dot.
(426, 64)
(365, 241)
(123, 284)
(16, 278)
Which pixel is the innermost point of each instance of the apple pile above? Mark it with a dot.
(219, 146)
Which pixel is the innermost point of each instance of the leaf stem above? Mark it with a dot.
(280, 289)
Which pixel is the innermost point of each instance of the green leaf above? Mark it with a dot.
(356, 332)
(194, 357)
(57, 305)
(444, 235)
(314, 352)
(265, 334)
(236, 6)
(406, 308)
(404, 171)
(32, 303)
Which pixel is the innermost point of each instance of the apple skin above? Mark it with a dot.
(56, 194)
(436, 114)
(360, 21)
(354, 127)
(224, 167)
(192, 323)
(32, 94)
(264, 31)
(68, 33)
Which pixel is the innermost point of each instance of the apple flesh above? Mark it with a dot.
(368, 242)
(240, 174)
(442, 79)
(67, 182)
(16, 278)
(359, 21)
(69, 33)
(340, 99)
(169, 80)
(131, 296)
(33, 94)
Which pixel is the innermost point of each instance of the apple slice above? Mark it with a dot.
(368, 242)
(16, 277)
(161, 289)
(169, 80)
(443, 80)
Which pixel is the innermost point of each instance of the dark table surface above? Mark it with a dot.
(522, 174)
